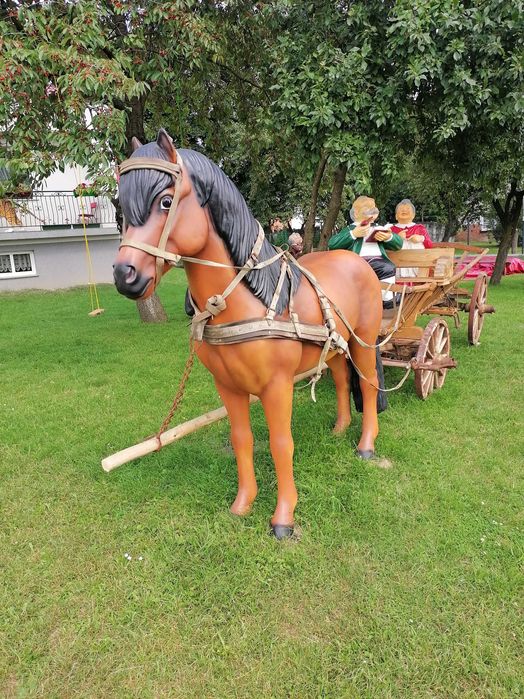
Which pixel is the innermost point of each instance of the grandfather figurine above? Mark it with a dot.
(370, 242)
(415, 235)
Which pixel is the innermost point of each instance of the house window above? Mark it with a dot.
(17, 264)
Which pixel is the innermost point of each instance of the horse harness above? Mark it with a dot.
(325, 335)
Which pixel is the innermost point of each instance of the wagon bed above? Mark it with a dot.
(433, 291)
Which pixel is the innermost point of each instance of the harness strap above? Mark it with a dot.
(174, 169)
(271, 311)
(341, 315)
(216, 304)
(152, 164)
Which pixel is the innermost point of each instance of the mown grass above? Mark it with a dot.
(406, 583)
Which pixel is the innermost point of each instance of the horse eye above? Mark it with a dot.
(165, 203)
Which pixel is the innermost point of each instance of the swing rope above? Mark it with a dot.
(91, 284)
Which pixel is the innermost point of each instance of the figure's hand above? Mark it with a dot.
(361, 231)
(381, 236)
(417, 238)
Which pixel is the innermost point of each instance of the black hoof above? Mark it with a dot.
(282, 531)
(366, 454)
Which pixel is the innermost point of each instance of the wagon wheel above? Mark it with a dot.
(434, 346)
(476, 309)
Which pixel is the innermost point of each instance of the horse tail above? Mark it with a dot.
(354, 381)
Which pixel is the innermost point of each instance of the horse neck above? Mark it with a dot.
(206, 281)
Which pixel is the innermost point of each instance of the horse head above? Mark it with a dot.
(163, 217)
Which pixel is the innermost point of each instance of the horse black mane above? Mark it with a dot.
(231, 216)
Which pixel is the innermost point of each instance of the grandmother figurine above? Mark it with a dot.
(415, 235)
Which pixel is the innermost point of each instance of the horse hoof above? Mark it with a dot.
(366, 454)
(369, 455)
(282, 531)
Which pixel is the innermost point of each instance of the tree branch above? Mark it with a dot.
(238, 76)
(499, 210)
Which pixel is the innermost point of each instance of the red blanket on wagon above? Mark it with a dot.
(514, 265)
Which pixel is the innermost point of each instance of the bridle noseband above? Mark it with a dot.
(159, 251)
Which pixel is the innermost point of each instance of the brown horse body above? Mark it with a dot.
(264, 368)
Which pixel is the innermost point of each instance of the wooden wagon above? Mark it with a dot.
(433, 290)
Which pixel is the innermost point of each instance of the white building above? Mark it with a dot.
(43, 241)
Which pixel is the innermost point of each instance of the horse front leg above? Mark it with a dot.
(365, 359)
(277, 401)
(237, 406)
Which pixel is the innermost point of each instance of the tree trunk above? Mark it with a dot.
(151, 310)
(515, 241)
(309, 226)
(509, 217)
(451, 226)
(339, 179)
(135, 120)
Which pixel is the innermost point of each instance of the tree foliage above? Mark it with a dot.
(431, 92)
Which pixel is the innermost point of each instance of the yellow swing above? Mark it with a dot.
(91, 284)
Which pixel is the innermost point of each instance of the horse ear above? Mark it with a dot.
(135, 143)
(165, 142)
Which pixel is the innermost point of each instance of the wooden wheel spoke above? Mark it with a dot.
(434, 344)
(427, 380)
(476, 318)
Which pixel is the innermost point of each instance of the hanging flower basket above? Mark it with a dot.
(85, 190)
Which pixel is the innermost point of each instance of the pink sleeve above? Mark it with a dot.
(428, 243)
(419, 229)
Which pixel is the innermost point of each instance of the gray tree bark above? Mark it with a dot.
(309, 227)
(151, 310)
(509, 217)
(339, 179)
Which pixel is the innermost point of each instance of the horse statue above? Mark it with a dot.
(280, 318)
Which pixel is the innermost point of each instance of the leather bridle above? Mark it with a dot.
(159, 251)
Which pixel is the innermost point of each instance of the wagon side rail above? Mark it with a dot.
(417, 299)
(476, 251)
(434, 271)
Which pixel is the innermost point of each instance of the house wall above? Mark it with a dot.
(64, 181)
(60, 257)
(476, 235)
(435, 230)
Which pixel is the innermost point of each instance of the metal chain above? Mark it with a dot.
(179, 394)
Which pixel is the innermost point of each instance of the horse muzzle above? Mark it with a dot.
(129, 282)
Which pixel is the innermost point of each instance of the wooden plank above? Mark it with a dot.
(413, 332)
(426, 258)
(151, 445)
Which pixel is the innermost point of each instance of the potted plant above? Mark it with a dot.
(85, 190)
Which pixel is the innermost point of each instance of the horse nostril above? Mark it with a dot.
(129, 281)
(124, 274)
(131, 274)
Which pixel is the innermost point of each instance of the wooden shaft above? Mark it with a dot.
(175, 433)
(461, 246)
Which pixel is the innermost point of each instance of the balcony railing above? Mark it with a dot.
(43, 210)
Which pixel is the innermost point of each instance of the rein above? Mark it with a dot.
(326, 334)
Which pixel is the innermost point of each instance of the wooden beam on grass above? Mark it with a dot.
(175, 433)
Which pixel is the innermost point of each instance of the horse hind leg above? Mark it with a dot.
(237, 406)
(365, 359)
(340, 372)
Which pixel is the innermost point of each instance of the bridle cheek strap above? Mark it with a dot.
(159, 251)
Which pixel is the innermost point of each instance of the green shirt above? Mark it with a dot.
(343, 240)
(279, 239)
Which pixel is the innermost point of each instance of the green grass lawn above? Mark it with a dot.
(406, 582)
